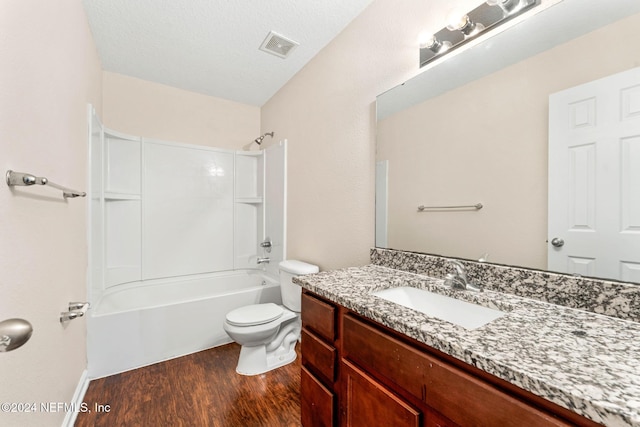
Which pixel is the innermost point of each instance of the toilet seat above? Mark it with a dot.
(256, 314)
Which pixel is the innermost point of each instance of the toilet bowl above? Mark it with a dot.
(268, 332)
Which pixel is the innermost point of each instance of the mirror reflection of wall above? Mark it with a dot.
(486, 142)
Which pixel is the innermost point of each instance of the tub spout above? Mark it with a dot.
(263, 261)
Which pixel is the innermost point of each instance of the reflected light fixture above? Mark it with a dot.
(462, 28)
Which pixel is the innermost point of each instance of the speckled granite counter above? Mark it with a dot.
(586, 362)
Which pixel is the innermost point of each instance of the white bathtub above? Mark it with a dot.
(159, 320)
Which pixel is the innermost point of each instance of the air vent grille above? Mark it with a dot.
(278, 45)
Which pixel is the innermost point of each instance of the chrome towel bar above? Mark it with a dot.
(26, 179)
(423, 208)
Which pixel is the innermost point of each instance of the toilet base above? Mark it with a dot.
(280, 351)
(255, 360)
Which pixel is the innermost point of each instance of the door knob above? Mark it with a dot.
(14, 333)
(557, 242)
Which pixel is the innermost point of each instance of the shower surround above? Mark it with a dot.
(175, 232)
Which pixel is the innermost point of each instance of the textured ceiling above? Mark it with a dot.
(211, 46)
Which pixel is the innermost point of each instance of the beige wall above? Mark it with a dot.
(142, 108)
(49, 71)
(487, 142)
(327, 112)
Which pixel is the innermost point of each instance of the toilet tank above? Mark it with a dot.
(292, 293)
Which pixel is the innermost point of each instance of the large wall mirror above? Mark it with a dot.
(474, 128)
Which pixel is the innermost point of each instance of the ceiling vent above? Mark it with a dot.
(278, 45)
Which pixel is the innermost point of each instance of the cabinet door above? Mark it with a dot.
(436, 419)
(317, 402)
(368, 403)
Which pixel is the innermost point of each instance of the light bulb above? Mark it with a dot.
(433, 44)
(457, 21)
(425, 40)
(466, 26)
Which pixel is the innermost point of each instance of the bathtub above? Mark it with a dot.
(152, 321)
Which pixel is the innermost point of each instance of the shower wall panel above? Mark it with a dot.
(96, 237)
(187, 212)
(163, 210)
(122, 207)
(249, 208)
(275, 202)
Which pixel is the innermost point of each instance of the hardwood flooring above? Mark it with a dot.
(200, 389)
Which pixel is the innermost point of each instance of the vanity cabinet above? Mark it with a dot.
(368, 375)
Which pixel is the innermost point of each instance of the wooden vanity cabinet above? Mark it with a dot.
(359, 373)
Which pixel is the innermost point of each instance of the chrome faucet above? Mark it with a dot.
(266, 244)
(263, 261)
(459, 279)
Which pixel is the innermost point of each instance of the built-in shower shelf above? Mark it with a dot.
(121, 196)
(249, 200)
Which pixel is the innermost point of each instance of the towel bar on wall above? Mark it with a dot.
(76, 309)
(423, 208)
(27, 179)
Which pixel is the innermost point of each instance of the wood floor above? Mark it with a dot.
(200, 389)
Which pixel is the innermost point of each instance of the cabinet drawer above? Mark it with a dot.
(463, 398)
(318, 356)
(319, 316)
(317, 402)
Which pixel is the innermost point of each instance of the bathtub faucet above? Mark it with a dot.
(266, 244)
(263, 261)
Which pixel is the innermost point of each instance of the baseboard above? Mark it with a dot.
(76, 401)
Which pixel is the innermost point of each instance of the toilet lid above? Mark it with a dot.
(256, 314)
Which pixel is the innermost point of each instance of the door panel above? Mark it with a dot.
(594, 178)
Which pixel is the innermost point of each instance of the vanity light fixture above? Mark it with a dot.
(462, 29)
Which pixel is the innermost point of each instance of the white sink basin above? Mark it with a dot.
(461, 313)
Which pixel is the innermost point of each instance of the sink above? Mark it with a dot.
(461, 313)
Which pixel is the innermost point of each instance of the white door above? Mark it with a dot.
(594, 178)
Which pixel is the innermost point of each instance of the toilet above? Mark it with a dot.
(268, 332)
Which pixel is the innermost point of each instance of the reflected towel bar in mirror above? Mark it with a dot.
(423, 208)
(26, 179)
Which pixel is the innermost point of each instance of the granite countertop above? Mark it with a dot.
(585, 362)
